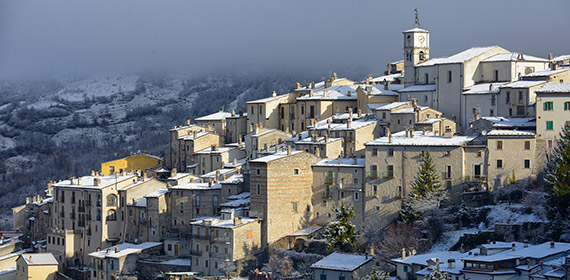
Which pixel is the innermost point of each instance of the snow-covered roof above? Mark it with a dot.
(416, 29)
(179, 175)
(348, 162)
(88, 181)
(157, 193)
(502, 122)
(540, 251)
(234, 179)
(242, 195)
(545, 73)
(218, 150)
(318, 140)
(390, 106)
(355, 124)
(375, 106)
(214, 174)
(39, 259)
(420, 138)
(561, 57)
(341, 262)
(218, 116)
(554, 88)
(409, 110)
(484, 88)
(430, 120)
(459, 57)
(236, 203)
(190, 136)
(387, 78)
(275, 156)
(510, 133)
(414, 88)
(377, 90)
(196, 186)
(44, 201)
(306, 231)
(514, 57)
(124, 250)
(271, 98)
(523, 84)
(177, 262)
(219, 222)
(332, 93)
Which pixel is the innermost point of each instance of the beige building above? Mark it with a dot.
(88, 213)
(217, 121)
(214, 158)
(392, 163)
(261, 138)
(518, 99)
(281, 192)
(369, 95)
(512, 157)
(147, 218)
(110, 263)
(552, 111)
(185, 141)
(36, 266)
(236, 127)
(336, 181)
(552, 75)
(227, 238)
(321, 146)
(354, 129)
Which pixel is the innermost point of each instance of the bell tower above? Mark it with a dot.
(416, 50)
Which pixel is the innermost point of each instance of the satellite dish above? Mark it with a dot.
(414, 252)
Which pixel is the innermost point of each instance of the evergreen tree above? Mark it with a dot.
(341, 234)
(437, 274)
(426, 192)
(557, 178)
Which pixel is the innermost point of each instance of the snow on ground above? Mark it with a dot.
(509, 214)
(6, 143)
(449, 238)
(98, 86)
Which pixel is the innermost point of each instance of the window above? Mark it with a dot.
(508, 97)
(425, 99)
(521, 97)
(295, 207)
(302, 110)
(496, 75)
(549, 144)
(491, 112)
(510, 112)
(215, 201)
(499, 163)
(448, 173)
(547, 106)
(111, 215)
(375, 189)
(258, 171)
(549, 125)
(390, 152)
(181, 207)
(527, 145)
(341, 194)
(249, 234)
(252, 109)
(111, 200)
(374, 152)
(499, 145)
(260, 109)
(567, 106)
(258, 189)
(520, 110)
(323, 276)
(197, 201)
(312, 112)
(493, 100)
(527, 163)
(390, 171)
(383, 115)
(296, 171)
(449, 76)
(356, 196)
(422, 57)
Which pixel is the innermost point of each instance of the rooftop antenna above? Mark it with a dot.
(417, 23)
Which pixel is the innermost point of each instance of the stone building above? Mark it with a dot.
(119, 260)
(215, 157)
(185, 141)
(261, 139)
(88, 213)
(236, 127)
(217, 121)
(147, 218)
(321, 146)
(222, 239)
(281, 187)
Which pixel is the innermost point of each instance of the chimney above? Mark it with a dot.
(188, 122)
(108, 251)
(385, 84)
(251, 128)
(30, 258)
(326, 138)
(313, 85)
(462, 250)
(513, 246)
(359, 113)
(325, 92)
(311, 93)
(72, 180)
(173, 172)
(274, 94)
(79, 180)
(550, 56)
(210, 183)
(389, 137)
(256, 128)
(348, 93)
(235, 162)
(288, 150)
(448, 134)
(526, 243)
(348, 123)
(92, 172)
(98, 249)
(298, 86)
(233, 113)
(237, 221)
(117, 249)
(317, 152)
(403, 253)
(194, 134)
(552, 244)
(553, 66)
(95, 182)
(520, 56)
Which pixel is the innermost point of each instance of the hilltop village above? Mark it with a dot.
(236, 184)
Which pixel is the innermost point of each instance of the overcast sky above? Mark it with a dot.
(66, 36)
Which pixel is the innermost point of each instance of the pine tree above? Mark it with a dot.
(426, 193)
(557, 177)
(341, 234)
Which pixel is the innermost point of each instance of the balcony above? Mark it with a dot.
(196, 253)
(219, 256)
(81, 209)
(475, 179)
(200, 237)
(373, 174)
(221, 239)
(326, 195)
(388, 175)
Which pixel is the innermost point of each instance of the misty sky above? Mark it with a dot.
(38, 37)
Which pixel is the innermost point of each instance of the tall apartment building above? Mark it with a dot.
(185, 142)
(552, 115)
(89, 211)
(281, 187)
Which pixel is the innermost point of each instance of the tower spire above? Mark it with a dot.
(417, 23)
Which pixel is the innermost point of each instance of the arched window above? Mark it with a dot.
(111, 215)
(422, 56)
(111, 200)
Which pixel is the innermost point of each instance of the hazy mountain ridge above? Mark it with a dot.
(51, 130)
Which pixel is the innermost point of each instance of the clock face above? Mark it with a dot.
(422, 39)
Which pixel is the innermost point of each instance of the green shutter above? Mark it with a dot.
(549, 125)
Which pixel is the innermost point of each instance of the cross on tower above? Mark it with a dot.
(417, 18)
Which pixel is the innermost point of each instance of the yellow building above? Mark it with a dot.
(36, 266)
(130, 164)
